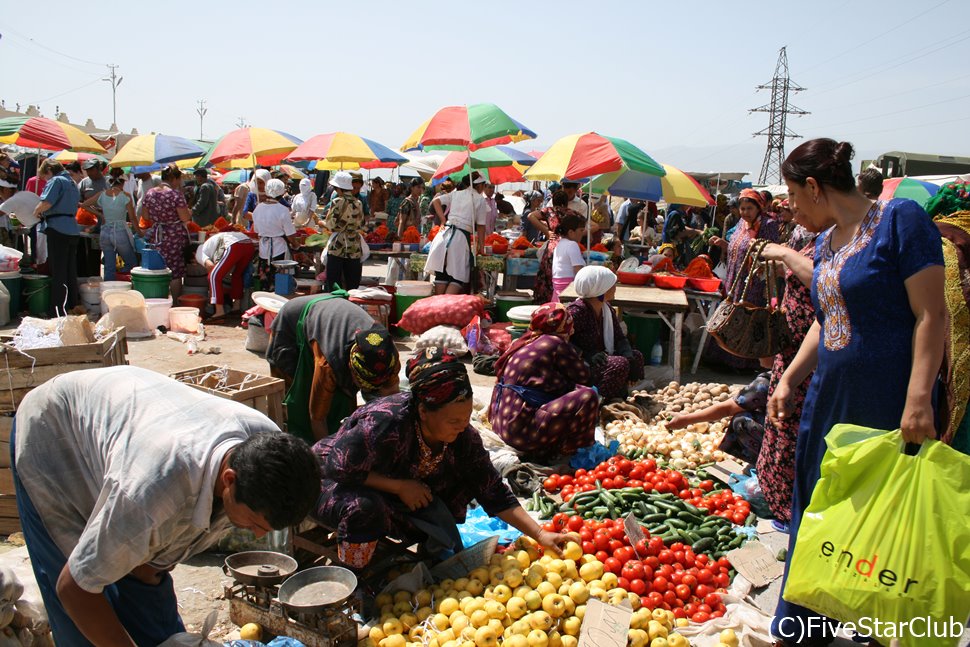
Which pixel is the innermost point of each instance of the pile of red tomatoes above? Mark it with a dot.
(665, 577)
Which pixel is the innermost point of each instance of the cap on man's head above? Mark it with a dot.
(201, 172)
(356, 176)
(92, 163)
(569, 184)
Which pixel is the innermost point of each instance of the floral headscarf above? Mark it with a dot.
(374, 359)
(754, 196)
(437, 378)
(548, 319)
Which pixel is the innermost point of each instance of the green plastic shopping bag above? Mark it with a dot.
(886, 538)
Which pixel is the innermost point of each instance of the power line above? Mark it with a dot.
(30, 40)
(894, 112)
(843, 106)
(905, 23)
(911, 127)
(57, 96)
(880, 69)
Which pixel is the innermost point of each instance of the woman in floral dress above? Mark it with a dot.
(543, 404)
(776, 462)
(408, 465)
(547, 221)
(166, 211)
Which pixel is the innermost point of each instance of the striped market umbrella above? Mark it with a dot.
(40, 132)
(236, 176)
(145, 150)
(336, 151)
(499, 164)
(676, 187)
(907, 187)
(577, 157)
(66, 157)
(249, 148)
(467, 127)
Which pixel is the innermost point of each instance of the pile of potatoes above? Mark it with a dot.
(685, 448)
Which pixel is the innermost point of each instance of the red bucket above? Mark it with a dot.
(192, 301)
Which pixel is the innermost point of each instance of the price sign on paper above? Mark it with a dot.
(605, 625)
(633, 530)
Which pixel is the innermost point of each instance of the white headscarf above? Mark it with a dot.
(304, 204)
(275, 189)
(261, 174)
(594, 281)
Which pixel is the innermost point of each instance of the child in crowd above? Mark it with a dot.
(567, 259)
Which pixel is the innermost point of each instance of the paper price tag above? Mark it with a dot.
(633, 530)
(605, 625)
(756, 563)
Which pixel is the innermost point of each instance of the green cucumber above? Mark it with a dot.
(703, 545)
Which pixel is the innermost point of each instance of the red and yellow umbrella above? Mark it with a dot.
(336, 151)
(467, 127)
(66, 157)
(577, 157)
(41, 132)
(250, 147)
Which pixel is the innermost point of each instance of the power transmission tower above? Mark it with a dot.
(115, 81)
(241, 123)
(201, 110)
(778, 110)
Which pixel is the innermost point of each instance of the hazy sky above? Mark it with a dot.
(675, 78)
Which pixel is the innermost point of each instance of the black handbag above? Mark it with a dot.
(749, 330)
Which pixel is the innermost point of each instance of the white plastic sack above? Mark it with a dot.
(186, 639)
(443, 337)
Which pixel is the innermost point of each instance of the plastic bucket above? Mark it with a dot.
(401, 303)
(184, 320)
(158, 311)
(505, 302)
(107, 286)
(91, 296)
(196, 301)
(643, 332)
(37, 294)
(151, 259)
(153, 284)
(14, 284)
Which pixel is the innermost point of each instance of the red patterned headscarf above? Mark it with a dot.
(437, 378)
(754, 196)
(549, 319)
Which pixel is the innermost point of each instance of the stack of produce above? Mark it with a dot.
(519, 600)
(380, 235)
(411, 236)
(521, 243)
(498, 243)
(640, 424)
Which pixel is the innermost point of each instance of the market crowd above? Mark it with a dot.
(870, 291)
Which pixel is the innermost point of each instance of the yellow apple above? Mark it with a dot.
(538, 638)
(540, 620)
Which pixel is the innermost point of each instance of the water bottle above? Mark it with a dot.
(656, 354)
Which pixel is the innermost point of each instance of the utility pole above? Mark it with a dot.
(201, 110)
(778, 110)
(115, 81)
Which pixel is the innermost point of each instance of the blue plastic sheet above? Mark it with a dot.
(589, 457)
(479, 526)
(284, 641)
(750, 489)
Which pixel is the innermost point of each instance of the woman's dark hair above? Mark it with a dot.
(870, 182)
(171, 172)
(116, 171)
(560, 199)
(416, 182)
(826, 160)
(73, 167)
(277, 475)
(570, 223)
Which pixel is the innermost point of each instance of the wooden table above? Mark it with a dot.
(669, 305)
(705, 302)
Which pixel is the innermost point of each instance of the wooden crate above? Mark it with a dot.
(21, 373)
(260, 392)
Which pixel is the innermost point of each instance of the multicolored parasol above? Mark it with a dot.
(907, 187)
(249, 148)
(146, 150)
(336, 151)
(467, 127)
(578, 157)
(41, 132)
(676, 187)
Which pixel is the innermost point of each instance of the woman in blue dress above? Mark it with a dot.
(877, 343)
